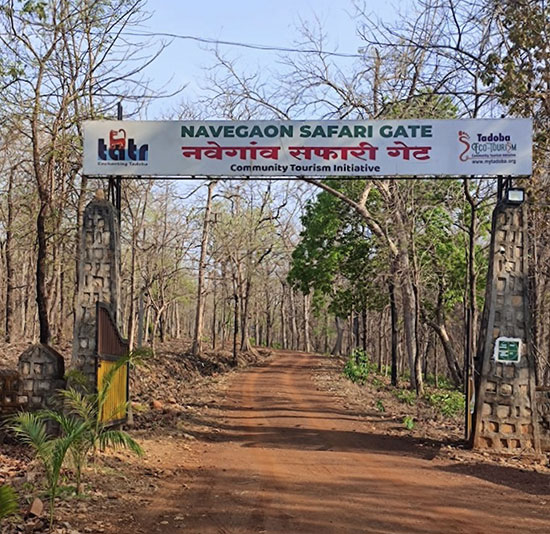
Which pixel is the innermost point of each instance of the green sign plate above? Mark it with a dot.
(507, 350)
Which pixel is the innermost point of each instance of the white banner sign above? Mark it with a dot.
(480, 147)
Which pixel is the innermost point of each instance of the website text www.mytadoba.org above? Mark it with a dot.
(494, 161)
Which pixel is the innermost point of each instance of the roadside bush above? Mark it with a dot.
(448, 403)
(443, 382)
(358, 367)
(82, 432)
(31, 429)
(408, 422)
(405, 396)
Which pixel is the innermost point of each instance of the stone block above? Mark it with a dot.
(485, 442)
(44, 386)
(506, 390)
(492, 427)
(509, 371)
(503, 412)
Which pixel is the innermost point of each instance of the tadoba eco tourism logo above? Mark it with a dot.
(121, 150)
(487, 148)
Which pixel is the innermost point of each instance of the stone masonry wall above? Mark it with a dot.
(10, 391)
(99, 280)
(42, 371)
(505, 418)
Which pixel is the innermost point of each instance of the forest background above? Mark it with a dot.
(393, 268)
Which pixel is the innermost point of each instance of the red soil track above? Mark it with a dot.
(283, 457)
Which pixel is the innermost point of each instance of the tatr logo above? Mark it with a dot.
(121, 149)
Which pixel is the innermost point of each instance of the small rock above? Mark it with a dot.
(36, 508)
(157, 405)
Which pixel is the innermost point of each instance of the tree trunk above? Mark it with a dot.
(307, 339)
(337, 349)
(41, 296)
(245, 339)
(284, 341)
(199, 313)
(10, 272)
(132, 296)
(293, 325)
(450, 356)
(364, 318)
(394, 333)
(235, 326)
(214, 314)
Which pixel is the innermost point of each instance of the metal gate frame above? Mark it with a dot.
(110, 346)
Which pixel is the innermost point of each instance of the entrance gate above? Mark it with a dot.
(505, 414)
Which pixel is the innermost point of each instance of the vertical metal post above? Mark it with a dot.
(118, 180)
(115, 183)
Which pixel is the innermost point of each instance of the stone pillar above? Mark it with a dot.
(99, 280)
(505, 419)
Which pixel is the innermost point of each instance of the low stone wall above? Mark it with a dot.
(34, 384)
(10, 391)
(42, 371)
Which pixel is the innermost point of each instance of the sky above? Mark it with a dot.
(259, 22)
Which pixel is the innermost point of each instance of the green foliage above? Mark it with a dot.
(408, 422)
(87, 407)
(406, 396)
(8, 501)
(443, 382)
(377, 383)
(81, 430)
(77, 378)
(380, 406)
(358, 367)
(337, 254)
(31, 429)
(449, 403)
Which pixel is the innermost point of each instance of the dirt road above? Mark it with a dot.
(283, 457)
